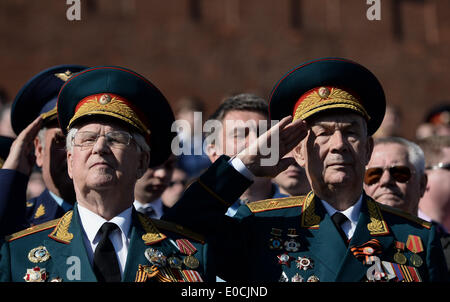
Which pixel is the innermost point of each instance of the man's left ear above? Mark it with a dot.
(423, 184)
(143, 164)
(369, 146)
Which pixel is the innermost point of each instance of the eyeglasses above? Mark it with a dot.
(114, 139)
(439, 166)
(400, 173)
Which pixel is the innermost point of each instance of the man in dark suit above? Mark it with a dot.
(334, 233)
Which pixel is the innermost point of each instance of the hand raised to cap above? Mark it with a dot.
(21, 157)
(282, 138)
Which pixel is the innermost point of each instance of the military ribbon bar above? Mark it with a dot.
(369, 248)
(414, 244)
(186, 246)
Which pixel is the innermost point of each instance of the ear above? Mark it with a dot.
(38, 151)
(144, 161)
(299, 153)
(69, 164)
(423, 186)
(369, 149)
(212, 152)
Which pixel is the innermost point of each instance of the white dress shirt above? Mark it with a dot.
(351, 213)
(120, 238)
(156, 205)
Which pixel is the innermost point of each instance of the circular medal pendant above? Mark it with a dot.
(39, 254)
(416, 260)
(175, 262)
(400, 258)
(191, 262)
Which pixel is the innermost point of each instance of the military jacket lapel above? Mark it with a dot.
(70, 248)
(324, 242)
(144, 235)
(353, 269)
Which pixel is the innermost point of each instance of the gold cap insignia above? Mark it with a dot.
(104, 99)
(324, 98)
(323, 92)
(64, 75)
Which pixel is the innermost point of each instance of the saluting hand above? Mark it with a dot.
(21, 157)
(281, 138)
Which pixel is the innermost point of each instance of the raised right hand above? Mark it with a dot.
(21, 157)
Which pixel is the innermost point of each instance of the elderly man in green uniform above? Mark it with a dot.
(117, 125)
(334, 233)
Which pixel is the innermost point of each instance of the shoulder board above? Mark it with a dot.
(405, 215)
(176, 228)
(34, 229)
(276, 203)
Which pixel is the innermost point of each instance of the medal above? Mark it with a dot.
(416, 260)
(283, 278)
(304, 263)
(275, 243)
(191, 262)
(292, 245)
(187, 248)
(36, 274)
(175, 262)
(297, 278)
(38, 254)
(414, 244)
(398, 256)
(313, 279)
(284, 259)
(155, 257)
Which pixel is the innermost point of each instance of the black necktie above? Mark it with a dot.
(106, 266)
(338, 219)
(148, 211)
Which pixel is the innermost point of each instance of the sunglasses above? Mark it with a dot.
(400, 173)
(439, 166)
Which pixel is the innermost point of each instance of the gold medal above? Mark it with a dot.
(400, 258)
(416, 260)
(414, 244)
(191, 262)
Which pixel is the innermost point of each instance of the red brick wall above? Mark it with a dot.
(234, 45)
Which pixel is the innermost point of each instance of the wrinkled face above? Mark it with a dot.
(102, 166)
(51, 157)
(335, 151)
(388, 190)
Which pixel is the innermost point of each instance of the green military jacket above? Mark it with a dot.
(55, 251)
(294, 238)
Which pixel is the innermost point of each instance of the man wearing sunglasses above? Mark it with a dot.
(395, 175)
(334, 233)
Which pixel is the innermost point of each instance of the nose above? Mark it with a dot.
(160, 173)
(100, 146)
(338, 142)
(386, 178)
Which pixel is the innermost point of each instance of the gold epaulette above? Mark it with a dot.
(405, 215)
(176, 228)
(276, 203)
(31, 230)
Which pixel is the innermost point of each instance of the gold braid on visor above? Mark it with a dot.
(111, 105)
(323, 98)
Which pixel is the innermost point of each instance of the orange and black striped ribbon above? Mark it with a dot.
(369, 248)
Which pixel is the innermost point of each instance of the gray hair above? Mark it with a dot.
(138, 138)
(415, 153)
